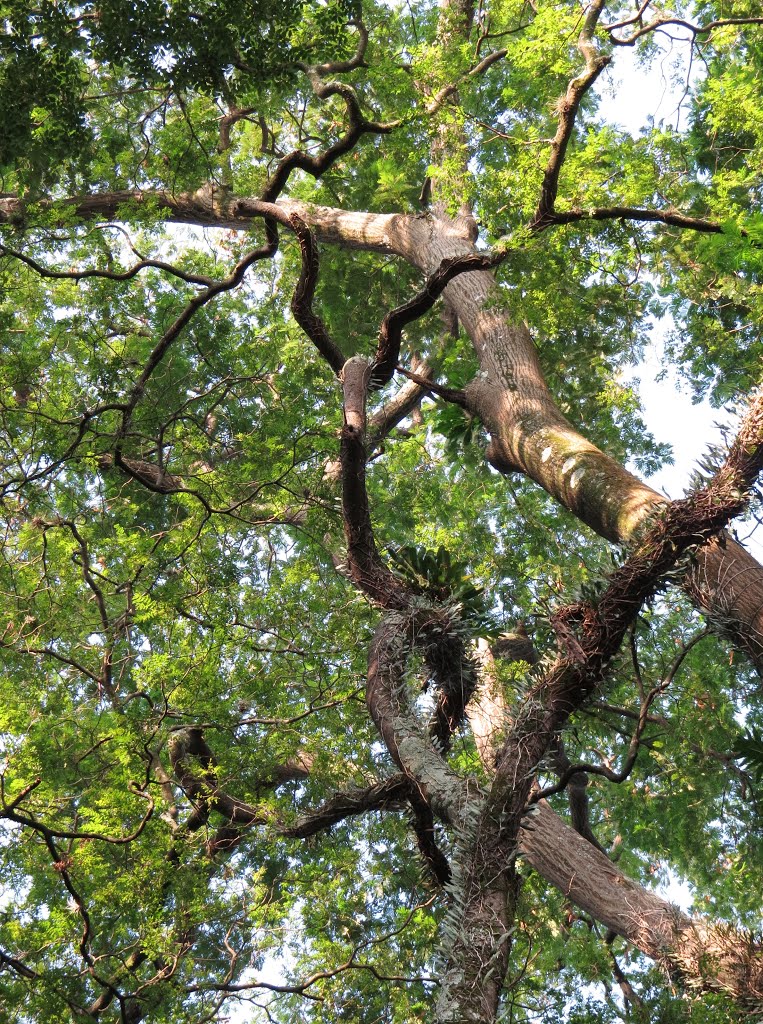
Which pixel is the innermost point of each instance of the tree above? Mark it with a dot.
(335, 631)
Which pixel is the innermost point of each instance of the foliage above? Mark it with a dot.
(176, 552)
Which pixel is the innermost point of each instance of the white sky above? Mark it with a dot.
(631, 96)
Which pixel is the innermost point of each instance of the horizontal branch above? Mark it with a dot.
(662, 21)
(390, 794)
(109, 275)
(673, 218)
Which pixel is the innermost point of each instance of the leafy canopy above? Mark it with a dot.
(181, 565)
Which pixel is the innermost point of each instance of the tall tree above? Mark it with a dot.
(348, 673)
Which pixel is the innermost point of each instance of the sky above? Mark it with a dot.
(630, 96)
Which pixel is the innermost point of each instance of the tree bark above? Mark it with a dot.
(702, 956)
(528, 432)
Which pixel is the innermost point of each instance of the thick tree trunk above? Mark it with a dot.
(478, 929)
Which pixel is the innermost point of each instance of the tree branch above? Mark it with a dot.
(302, 300)
(357, 127)
(390, 334)
(662, 20)
(567, 109)
(706, 957)
(673, 218)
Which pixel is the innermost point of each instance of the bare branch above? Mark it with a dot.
(671, 217)
(661, 21)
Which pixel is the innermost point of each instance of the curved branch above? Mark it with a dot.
(233, 280)
(589, 635)
(364, 563)
(390, 334)
(340, 67)
(661, 21)
(567, 109)
(302, 300)
(358, 126)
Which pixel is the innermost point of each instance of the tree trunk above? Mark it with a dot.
(702, 956)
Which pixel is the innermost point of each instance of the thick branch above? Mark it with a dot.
(410, 747)
(703, 956)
